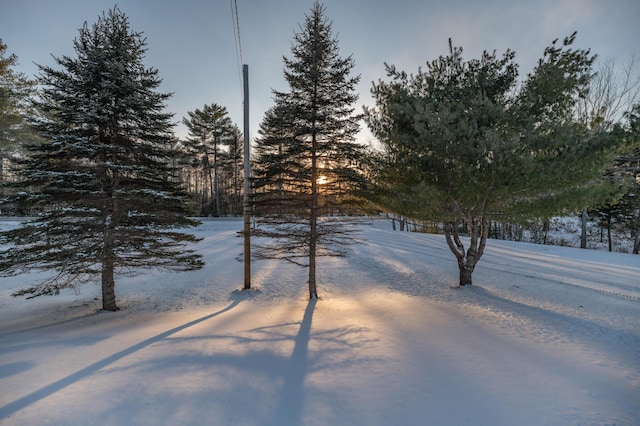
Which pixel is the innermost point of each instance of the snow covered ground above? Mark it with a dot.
(546, 336)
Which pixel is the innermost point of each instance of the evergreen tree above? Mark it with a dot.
(274, 181)
(612, 92)
(626, 170)
(308, 161)
(211, 130)
(623, 210)
(15, 93)
(233, 167)
(632, 197)
(465, 143)
(102, 177)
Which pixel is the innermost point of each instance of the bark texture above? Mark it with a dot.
(467, 260)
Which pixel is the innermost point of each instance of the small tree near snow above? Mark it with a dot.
(102, 181)
(464, 142)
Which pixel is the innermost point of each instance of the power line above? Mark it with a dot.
(236, 38)
(235, 2)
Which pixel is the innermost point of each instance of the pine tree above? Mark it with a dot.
(464, 143)
(233, 167)
(15, 93)
(308, 160)
(109, 199)
(211, 130)
(274, 181)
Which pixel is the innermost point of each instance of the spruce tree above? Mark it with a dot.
(109, 200)
(274, 180)
(308, 160)
(465, 143)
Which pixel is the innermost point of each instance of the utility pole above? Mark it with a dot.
(247, 172)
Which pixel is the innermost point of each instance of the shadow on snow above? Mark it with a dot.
(58, 385)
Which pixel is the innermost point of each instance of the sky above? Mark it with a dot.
(193, 43)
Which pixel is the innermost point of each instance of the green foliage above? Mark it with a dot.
(211, 133)
(233, 168)
(464, 139)
(624, 174)
(466, 143)
(306, 146)
(102, 181)
(307, 159)
(15, 92)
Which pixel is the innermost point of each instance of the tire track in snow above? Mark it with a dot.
(590, 277)
(548, 302)
(434, 247)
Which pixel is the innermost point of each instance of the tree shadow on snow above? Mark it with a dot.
(13, 368)
(244, 377)
(43, 322)
(555, 323)
(63, 383)
(289, 408)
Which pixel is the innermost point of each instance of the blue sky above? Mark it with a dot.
(191, 42)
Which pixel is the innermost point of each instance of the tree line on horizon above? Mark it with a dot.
(464, 142)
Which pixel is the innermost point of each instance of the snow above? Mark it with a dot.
(547, 336)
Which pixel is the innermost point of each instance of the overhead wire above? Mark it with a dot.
(236, 38)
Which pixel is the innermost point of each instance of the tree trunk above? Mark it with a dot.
(236, 189)
(313, 218)
(216, 186)
(635, 231)
(467, 260)
(216, 178)
(466, 272)
(583, 225)
(108, 245)
(609, 233)
(209, 175)
(313, 292)
(108, 286)
(108, 283)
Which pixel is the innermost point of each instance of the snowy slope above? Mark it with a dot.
(547, 335)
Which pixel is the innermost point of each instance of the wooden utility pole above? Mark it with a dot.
(247, 172)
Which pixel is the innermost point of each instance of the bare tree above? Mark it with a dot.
(613, 91)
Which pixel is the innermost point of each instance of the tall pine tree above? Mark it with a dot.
(233, 167)
(109, 199)
(210, 131)
(15, 92)
(308, 160)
